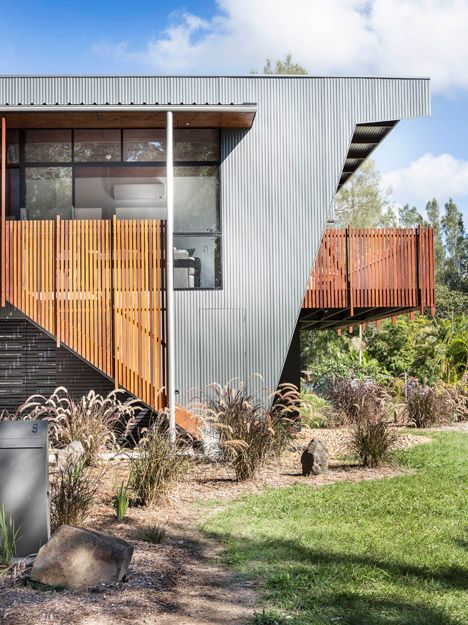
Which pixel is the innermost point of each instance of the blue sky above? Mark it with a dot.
(421, 158)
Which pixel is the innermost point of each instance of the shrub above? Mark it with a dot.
(316, 411)
(72, 492)
(287, 407)
(121, 500)
(372, 435)
(94, 421)
(428, 406)
(5, 415)
(352, 397)
(8, 536)
(459, 397)
(245, 430)
(248, 432)
(372, 439)
(156, 466)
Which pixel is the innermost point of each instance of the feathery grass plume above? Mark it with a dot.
(95, 421)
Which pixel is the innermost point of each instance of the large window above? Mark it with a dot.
(48, 192)
(98, 173)
(48, 146)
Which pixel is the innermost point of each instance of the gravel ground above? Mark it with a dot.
(181, 581)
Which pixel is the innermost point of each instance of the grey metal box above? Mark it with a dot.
(24, 481)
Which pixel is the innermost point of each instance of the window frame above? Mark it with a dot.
(22, 165)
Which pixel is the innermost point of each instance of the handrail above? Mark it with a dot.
(359, 268)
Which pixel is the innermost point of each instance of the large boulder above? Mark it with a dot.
(79, 558)
(314, 458)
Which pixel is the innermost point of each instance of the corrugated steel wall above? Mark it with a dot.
(277, 184)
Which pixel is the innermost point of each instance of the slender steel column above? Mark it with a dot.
(170, 276)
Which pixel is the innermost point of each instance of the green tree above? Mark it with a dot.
(288, 66)
(362, 203)
(433, 215)
(450, 303)
(408, 217)
(456, 245)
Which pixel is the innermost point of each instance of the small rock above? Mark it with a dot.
(314, 458)
(71, 453)
(80, 558)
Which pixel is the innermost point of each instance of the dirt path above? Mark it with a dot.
(181, 581)
(178, 582)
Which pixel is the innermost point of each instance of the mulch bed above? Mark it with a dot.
(182, 580)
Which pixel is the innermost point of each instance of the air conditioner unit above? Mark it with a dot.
(139, 191)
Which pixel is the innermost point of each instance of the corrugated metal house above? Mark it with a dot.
(251, 166)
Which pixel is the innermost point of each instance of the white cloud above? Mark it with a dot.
(393, 37)
(441, 176)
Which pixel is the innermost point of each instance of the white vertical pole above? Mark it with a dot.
(170, 276)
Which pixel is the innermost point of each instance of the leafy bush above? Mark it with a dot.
(459, 397)
(121, 500)
(353, 397)
(8, 536)
(428, 406)
(156, 466)
(72, 492)
(316, 411)
(94, 421)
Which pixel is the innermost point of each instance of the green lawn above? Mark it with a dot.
(388, 552)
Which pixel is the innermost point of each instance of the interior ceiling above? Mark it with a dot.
(365, 139)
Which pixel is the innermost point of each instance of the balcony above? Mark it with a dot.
(368, 274)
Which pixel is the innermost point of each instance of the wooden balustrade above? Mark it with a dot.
(373, 268)
(99, 288)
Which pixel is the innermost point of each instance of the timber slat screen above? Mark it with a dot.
(99, 288)
(360, 268)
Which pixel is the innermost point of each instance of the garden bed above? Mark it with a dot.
(182, 579)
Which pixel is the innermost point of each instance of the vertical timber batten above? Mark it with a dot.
(85, 284)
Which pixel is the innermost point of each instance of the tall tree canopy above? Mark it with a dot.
(456, 245)
(408, 217)
(361, 202)
(286, 66)
(433, 216)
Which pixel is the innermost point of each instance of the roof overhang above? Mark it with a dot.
(129, 116)
(365, 139)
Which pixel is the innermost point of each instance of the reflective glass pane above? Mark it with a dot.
(128, 192)
(144, 145)
(97, 145)
(48, 192)
(196, 205)
(12, 147)
(196, 145)
(47, 146)
(197, 262)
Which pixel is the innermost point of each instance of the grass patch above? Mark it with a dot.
(154, 535)
(388, 552)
